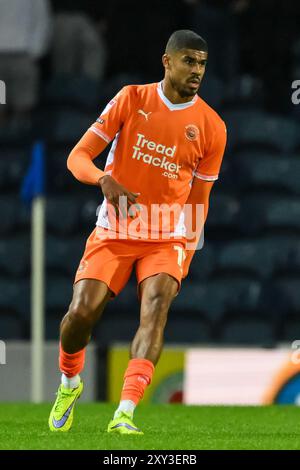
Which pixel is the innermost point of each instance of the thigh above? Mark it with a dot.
(91, 295)
(107, 260)
(161, 258)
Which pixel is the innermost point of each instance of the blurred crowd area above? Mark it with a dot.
(62, 61)
(47, 45)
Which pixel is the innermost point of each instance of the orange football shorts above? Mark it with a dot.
(112, 260)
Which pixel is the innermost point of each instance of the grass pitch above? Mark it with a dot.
(176, 427)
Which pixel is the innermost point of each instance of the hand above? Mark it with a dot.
(118, 196)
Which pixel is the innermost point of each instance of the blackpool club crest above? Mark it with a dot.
(191, 132)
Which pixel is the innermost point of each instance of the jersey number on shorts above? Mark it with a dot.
(181, 255)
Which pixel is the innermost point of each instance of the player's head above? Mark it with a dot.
(184, 61)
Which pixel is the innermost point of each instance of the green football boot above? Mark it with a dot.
(123, 424)
(61, 416)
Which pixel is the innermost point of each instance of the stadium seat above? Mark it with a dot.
(223, 214)
(203, 263)
(59, 177)
(288, 289)
(261, 214)
(291, 263)
(261, 257)
(187, 330)
(127, 300)
(253, 171)
(15, 255)
(291, 330)
(13, 161)
(15, 296)
(62, 215)
(258, 129)
(69, 124)
(52, 327)
(190, 299)
(271, 304)
(212, 90)
(9, 210)
(88, 210)
(78, 90)
(58, 295)
(63, 255)
(113, 328)
(215, 298)
(245, 331)
(10, 327)
(283, 213)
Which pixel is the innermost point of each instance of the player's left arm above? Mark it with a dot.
(205, 175)
(199, 194)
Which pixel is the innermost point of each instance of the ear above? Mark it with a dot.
(166, 61)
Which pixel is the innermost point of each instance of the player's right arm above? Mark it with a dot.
(81, 159)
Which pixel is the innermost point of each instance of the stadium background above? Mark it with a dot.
(243, 288)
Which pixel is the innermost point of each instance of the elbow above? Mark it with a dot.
(70, 162)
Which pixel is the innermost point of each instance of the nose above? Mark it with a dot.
(198, 69)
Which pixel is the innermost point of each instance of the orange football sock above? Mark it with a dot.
(71, 364)
(137, 377)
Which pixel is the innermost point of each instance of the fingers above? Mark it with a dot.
(132, 196)
(123, 202)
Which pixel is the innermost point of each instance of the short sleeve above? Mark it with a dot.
(209, 166)
(113, 116)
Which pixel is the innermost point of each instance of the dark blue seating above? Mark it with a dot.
(63, 256)
(258, 129)
(13, 164)
(257, 257)
(9, 210)
(15, 255)
(268, 213)
(216, 298)
(223, 212)
(62, 215)
(58, 295)
(78, 91)
(15, 296)
(10, 327)
(247, 331)
(258, 170)
(203, 263)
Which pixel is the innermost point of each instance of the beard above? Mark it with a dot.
(181, 90)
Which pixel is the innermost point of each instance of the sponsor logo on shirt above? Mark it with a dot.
(158, 156)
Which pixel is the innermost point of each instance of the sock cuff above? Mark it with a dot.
(71, 364)
(72, 356)
(140, 367)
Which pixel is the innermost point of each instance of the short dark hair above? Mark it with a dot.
(185, 39)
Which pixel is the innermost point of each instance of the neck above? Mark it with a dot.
(172, 94)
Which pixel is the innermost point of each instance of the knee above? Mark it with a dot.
(81, 315)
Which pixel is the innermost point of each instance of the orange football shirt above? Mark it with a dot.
(158, 148)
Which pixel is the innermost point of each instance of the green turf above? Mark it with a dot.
(24, 426)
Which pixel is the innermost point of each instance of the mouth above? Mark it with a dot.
(194, 82)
